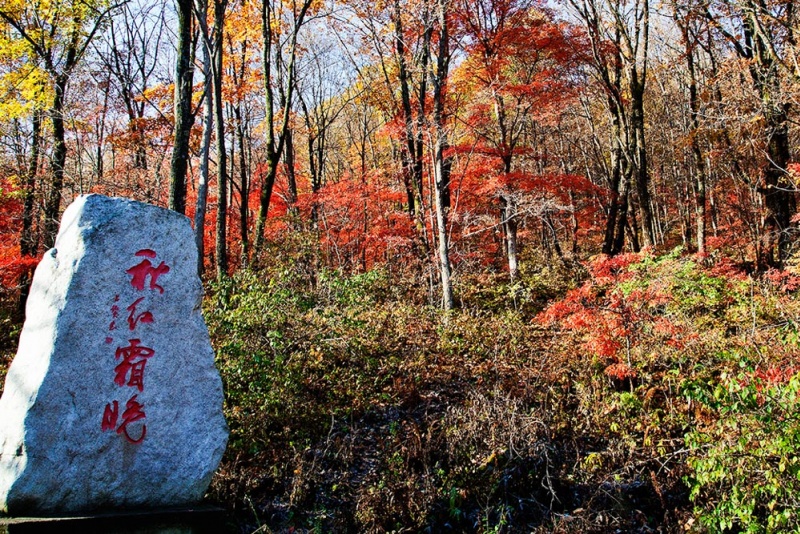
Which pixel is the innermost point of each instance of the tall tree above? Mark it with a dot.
(619, 35)
(280, 26)
(442, 159)
(764, 35)
(184, 117)
(689, 25)
(55, 36)
(221, 247)
(520, 63)
(201, 204)
(129, 52)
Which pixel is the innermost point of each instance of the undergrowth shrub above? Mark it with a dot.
(745, 457)
(700, 372)
(653, 393)
(353, 409)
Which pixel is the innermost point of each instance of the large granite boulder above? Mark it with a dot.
(112, 400)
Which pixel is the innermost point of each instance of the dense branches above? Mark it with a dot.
(447, 136)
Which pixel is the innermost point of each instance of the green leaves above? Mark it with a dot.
(746, 464)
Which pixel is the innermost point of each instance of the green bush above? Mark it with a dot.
(745, 450)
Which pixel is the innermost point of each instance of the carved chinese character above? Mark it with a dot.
(110, 416)
(133, 358)
(140, 272)
(133, 319)
(133, 412)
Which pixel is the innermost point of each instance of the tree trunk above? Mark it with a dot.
(244, 187)
(221, 249)
(614, 240)
(53, 204)
(641, 173)
(442, 161)
(28, 242)
(778, 192)
(184, 74)
(288, 159)
(208, 124)
(275, 145)
(508, 213)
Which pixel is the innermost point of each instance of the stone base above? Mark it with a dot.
(195, 520)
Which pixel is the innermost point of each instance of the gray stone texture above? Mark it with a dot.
(63, 447)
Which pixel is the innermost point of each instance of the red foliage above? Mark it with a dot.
(782, 280)
(611, 321)
(362, 222)
(620, 371)
(12, 263)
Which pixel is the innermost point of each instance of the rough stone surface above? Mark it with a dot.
(106, 321)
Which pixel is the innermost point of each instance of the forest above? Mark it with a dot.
(470, 265)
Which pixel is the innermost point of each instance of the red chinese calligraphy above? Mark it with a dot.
(133, 361)
(114, 314)
(140, 272)
(110, 416)
(133, 412)
(133, 319)
(133, 358)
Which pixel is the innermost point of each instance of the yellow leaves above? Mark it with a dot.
(243, 23)
(39, 41)
(21, 90)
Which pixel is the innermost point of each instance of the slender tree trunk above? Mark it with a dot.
(221, 249)
(59, 159)
(28, 242)
(422, 93)
(288, 159)
(244, 186)
(617, 211)
(101, 132)
(622, 215)
(201, 205)
(508, 214)
(778, 196)
(275, 145)
(184, 74)
(409, 154)
(574, 221)
(442, 160)
(699, 162)
(641, 171)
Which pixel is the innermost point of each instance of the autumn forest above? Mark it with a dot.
(470, 265)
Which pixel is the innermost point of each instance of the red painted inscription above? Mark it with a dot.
(110, 416)
(133, 319)
(133, 412)
(140, 272)
(134, 357)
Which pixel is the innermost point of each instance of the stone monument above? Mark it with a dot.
(112, 401)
